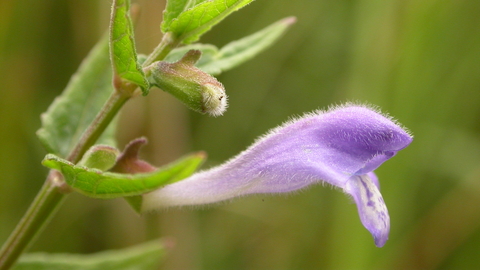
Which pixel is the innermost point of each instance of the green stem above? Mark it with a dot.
(99, 124)
(40, 211)
(168, 43)
(53, 191)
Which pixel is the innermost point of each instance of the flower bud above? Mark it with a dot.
(198, 90)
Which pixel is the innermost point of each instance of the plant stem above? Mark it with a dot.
(42, 208)
(99, 124)
(167, 44)
(53, 191)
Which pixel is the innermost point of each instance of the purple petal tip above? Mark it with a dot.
(371, 207)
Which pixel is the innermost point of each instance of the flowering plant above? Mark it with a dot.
(341, 146)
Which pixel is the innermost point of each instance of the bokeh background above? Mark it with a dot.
(418, 60)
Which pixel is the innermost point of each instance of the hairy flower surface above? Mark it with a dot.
(341, 147)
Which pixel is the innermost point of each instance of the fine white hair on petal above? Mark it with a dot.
(371, 107)
(331, 108)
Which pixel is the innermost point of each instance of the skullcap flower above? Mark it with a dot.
(342, 147)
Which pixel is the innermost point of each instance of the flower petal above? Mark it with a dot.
(371, 207)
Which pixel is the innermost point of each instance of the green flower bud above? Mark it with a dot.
(102, 157)
(198, 90)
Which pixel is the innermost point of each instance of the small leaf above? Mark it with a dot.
(174, 8)
(122, 46)
(146, 256)
(214, 61)
(242, 50)
(194, 22)
(107, 185)
(70, 114)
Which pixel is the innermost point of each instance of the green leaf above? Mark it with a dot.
(122, 46)
(214, 61)
(146, 256)
(107, 185)
(192, 23)
(174, 8)
(71, 113)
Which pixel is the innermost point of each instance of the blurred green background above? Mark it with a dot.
(418, 60)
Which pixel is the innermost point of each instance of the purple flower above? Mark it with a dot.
(341, 147)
